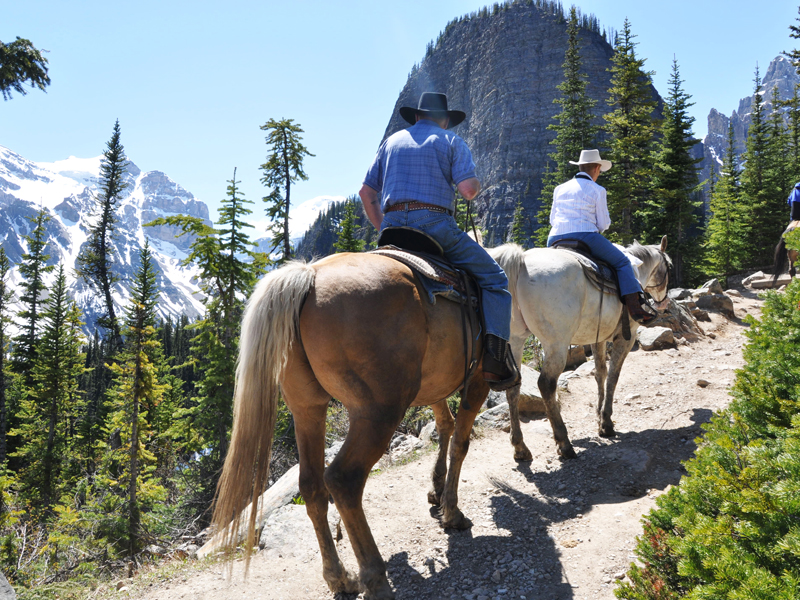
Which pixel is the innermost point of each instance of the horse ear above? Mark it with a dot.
(664, 244)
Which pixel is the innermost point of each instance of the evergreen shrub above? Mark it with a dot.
(731, 529)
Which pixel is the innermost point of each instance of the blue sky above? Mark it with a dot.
(191, 82)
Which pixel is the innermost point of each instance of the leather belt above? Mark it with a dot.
(406, 206)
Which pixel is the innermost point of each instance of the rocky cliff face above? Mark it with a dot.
(778, 83)
(502, 68)
(65, 190)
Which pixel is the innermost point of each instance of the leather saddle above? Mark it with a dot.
(422, 254)
(601, 275)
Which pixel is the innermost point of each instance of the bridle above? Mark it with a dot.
(657, 286)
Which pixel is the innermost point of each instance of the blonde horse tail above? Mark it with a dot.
(510, 257)
(270, 326)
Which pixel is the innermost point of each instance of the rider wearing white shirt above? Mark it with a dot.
(580, 212)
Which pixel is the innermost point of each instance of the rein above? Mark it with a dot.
(469, 357)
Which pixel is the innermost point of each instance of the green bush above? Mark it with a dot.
(731, 529)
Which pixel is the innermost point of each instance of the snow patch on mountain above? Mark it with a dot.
(66, 190)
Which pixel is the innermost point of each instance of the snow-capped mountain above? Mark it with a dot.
(65, 190)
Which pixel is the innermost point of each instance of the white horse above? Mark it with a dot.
(554, 301)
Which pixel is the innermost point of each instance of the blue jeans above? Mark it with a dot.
(465, 253)
(605, 250)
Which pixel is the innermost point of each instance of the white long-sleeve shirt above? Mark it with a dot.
(579, 205)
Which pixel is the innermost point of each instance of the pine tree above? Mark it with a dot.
(229, 269)
(727, 230)
(574, 129)
(284, 166)
(630, 129)
(346, 240)
(129, 464)
(6, 299)
(674, 208)
(763, 194)
(518, 233)
(54, 398)
(792, 106)
(21, 63)
(95, 263)
(794, 55)
(33, 269)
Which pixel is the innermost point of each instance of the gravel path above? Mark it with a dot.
(548, 529)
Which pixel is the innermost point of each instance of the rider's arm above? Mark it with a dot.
(601, 211)
(372, 205)
(469, 188)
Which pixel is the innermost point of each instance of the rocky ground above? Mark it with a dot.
(548, 529)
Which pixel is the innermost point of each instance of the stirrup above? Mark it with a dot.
(498, 360)
(643, 312)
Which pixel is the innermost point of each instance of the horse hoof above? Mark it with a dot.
(345, 583)
(567, 452)
(523, 455)
(434, 498)
(459, 521)
(607, 432)
(383, 592)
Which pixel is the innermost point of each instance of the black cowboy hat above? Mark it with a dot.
(432, 104)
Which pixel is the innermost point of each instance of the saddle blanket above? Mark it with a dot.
(437, 277)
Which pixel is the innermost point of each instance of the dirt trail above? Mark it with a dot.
(542, 530)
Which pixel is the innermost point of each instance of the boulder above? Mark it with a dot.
(575, 357)
(530, 399)
(6, 591)
(766, 282)
(279, 494)
(678, 317)
(679, 293)
(494, 417)
(712, 286)
(428, 434)
(750, 278)
(717, 303)
(403, 446)
(288, 532)
(655, 338)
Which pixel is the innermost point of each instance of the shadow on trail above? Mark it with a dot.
(607, 471)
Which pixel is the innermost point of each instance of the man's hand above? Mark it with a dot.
(469, 188)
(372, 205)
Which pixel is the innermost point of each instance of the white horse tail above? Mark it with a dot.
(269, 328)
(510, 257)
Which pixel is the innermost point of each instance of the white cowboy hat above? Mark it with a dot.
(589, 157)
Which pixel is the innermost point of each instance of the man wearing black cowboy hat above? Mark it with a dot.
(411, 184)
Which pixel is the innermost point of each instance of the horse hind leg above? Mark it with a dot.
(555, 359)
(366, 440)
(605, 424)
(445, 425)
(309, 404)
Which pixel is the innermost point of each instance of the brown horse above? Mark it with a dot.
(784, 255)
(358, 328)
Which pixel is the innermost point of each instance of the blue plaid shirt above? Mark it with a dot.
(421, 163)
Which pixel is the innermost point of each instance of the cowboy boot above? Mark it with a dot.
(499, 367)
(639, 309)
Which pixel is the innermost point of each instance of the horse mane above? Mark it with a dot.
(648, 255)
